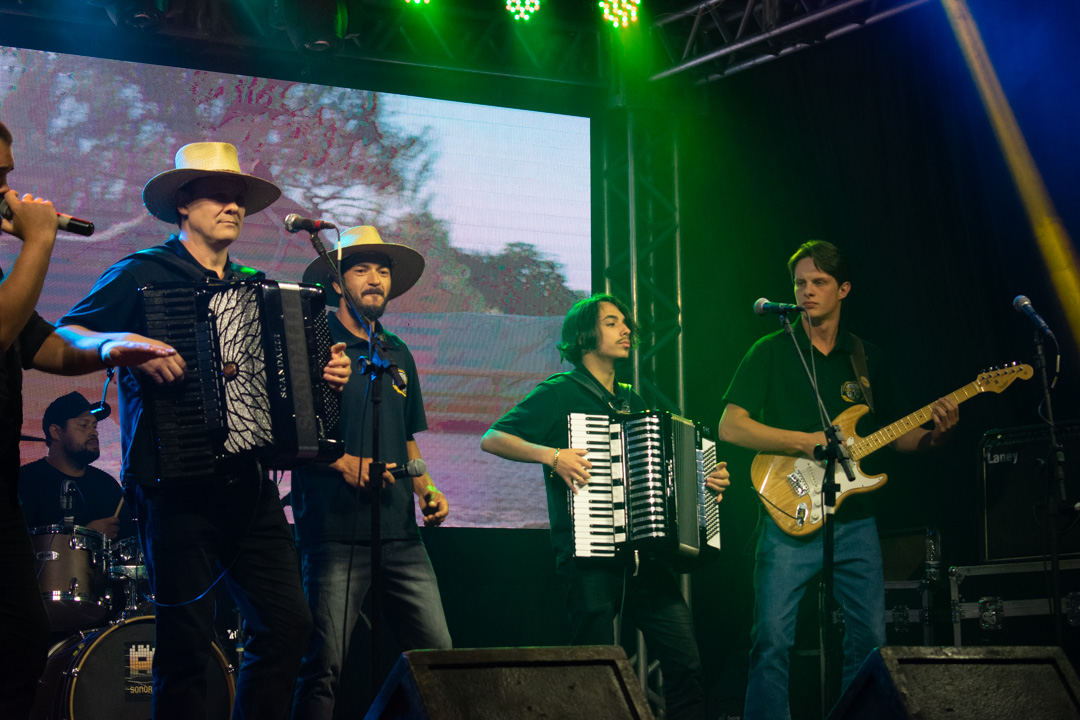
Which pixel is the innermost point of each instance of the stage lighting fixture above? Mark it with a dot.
(620, 13)
(522, 9)
(417, 2)
(316, 27)
(145, 15)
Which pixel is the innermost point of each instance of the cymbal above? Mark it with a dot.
(30, 438)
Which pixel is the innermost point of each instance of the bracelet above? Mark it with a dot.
(104, 360)
(555, 462)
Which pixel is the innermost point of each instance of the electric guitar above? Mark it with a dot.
(790, 486)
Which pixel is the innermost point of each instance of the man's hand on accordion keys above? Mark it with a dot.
(719, 480)
(337, 371)
(571, 465)
(164, 370)
(132, 351)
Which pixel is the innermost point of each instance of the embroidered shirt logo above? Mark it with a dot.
(851, 392)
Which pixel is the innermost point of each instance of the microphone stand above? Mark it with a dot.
(374, 368)
(834, 451)
(1056, 503)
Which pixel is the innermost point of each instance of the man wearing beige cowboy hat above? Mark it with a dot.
(332, 504)
(226, 527)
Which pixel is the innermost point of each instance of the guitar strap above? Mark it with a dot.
(858, 363)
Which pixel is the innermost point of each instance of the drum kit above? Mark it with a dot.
(98, 598)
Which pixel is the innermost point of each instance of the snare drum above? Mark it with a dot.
(106, 675)
(73, 575)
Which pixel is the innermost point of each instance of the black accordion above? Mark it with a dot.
(647, 486)
(253, 388)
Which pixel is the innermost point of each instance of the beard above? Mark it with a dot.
(84, 455)
(372, 312)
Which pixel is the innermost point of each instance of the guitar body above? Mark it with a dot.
(790, 487)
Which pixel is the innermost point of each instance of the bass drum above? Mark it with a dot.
(106, 675)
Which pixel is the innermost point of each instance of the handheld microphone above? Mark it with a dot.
(413, 468)
(1023, 305)
(294, 224)
(68, 223)
(764, 307)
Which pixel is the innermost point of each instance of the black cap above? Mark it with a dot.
(63, 409)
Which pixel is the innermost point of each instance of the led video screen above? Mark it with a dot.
(497, 200)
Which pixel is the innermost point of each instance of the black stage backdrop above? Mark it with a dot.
(878, 141)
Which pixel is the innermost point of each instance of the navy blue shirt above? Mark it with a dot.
(542, 418)
(325, 507)
(115, 305)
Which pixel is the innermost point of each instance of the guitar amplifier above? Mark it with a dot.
(1015, 480)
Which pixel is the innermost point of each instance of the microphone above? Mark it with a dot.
(764, 307)
(413, 468)
(294, 224)
(68, 223)
(1023, 305)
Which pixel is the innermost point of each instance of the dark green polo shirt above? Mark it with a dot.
(542, 418)
(771, 385)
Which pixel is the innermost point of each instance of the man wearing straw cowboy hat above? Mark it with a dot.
(226, 527)
(331, 504)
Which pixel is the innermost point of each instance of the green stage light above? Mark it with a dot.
(620, 13)
(417, 2)
(522, 9)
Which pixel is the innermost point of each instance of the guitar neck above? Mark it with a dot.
(884, 436)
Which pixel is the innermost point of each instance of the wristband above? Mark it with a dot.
(555, 462)
(104, 359)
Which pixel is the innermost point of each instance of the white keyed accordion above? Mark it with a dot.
(253, 388)
(647, 486)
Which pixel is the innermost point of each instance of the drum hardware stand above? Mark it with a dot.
(834, 450)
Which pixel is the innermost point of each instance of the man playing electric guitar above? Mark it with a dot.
(770, 407)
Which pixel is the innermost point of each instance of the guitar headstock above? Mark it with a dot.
(997, 379)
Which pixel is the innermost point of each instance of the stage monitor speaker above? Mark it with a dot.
(494, 684)
(962, 683)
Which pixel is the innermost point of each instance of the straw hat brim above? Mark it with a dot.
(159, 194)
(406, 267)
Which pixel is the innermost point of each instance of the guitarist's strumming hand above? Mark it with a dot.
(570, 464)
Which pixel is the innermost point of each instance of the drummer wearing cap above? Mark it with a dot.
(64, 484)
(232, 528)
(332, 504)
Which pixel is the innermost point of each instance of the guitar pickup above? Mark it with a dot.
(798, 483)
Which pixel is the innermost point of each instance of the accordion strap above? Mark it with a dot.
(594, 387)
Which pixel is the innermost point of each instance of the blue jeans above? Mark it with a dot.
(412, 604)
(783, 569)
